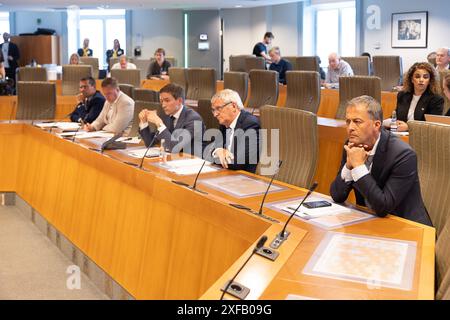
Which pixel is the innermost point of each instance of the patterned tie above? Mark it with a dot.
(368, 162)
(172, 123)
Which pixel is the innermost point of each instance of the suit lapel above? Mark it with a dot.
(379, 157)
(180, 121)
(421, 106)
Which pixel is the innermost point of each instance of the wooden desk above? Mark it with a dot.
(161, 240)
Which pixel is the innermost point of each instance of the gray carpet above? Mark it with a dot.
(32, 267)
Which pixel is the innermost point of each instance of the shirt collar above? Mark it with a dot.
(117, 99)
(374, 149)
(178, 113)
(233, 124)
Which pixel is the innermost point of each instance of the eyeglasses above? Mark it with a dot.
(219, 108)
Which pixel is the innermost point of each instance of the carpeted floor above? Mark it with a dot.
(32, 267)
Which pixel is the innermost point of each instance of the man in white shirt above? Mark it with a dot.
(442, 59)
(124, 64)
(336, 68)
(118, 110)
(378, 166)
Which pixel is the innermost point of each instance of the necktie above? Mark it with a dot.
(172, 123)
(368, 162)
(229, 138)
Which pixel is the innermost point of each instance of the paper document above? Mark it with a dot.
(43, 125)
(139, 153)
(95, 134)
(68, 126)
(187, 166)
(131, 140)
(306, 213)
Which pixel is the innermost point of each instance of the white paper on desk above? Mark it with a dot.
(306, 213)
(131, 140)
(184, 171)
(70, 133)
(43, 125)
(68, 126)
(185, 163)
(95, 134)
(187, 166)
(139, 153)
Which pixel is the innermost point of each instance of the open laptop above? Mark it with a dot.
(437, 119)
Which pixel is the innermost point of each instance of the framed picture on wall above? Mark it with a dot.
(410, 30)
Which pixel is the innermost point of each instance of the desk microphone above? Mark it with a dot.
(280, 162)
(237, 289)
(41, 113)
(282, 236)
(112, 144)
(145, 154)
(194, 186)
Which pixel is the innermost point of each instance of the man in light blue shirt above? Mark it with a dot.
(336, 68)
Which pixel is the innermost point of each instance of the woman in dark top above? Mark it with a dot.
(115, 52)
(419, 96)
(159, 68)
(447, 90)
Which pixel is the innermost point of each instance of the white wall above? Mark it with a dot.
(26, 21)
(438, 28)
(158, 29)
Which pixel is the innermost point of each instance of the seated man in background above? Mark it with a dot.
(90, 102)
(159, 68)
(378, 166)
(181, 127)
(336, 68)
(123, 64)
(85, 51)
(278, 64)
(117, 113)
(238, 148)
(442, 59)
(446, 81)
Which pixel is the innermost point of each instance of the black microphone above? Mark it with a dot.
(194, 186)
(280, 162)
(108, 144)
(76, 132)
(145, 153)
(42, 113)
(237, 288)
(284, 234)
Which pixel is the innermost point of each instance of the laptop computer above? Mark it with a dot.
(437, 119)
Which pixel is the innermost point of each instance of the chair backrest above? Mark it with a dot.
(142, 64)
(254, 63)
(128, 89)
(298, 143)
(113, 61)
(201, 83)
(389, 69)
(442, 75)
(237, 63)
(264, 88)
(138, 107)
(293, 60)
(71, 76)
(355, 86)
(31, 74)
(92, 62)
(204, 110)
(237, 81)
(145, 95)
(360, 65)
(308, 63)
(35, 100)
(443, 262)
(127, 76)
(303, 90)
(178, 76)
(431, 141)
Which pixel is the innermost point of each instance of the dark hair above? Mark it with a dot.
(110, 82)
(408, 85)
(90, 80)
(160, 50)
(268, 35)
(174, 90)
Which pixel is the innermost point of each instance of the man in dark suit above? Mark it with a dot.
(237, 148)
(10, 55)
(379, 167)
(90, 102)
(180, 127)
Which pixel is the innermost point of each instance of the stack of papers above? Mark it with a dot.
(139, 153)
(187, 166)
(64, 126)
(86, 135)
(131, 140)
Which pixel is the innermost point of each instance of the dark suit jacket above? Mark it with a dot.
(246, 154)
(187, 134)
(13, 51)
(428, 104)
(81, 52)
(89, 111)
(393, 185)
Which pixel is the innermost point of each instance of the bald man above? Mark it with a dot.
(336, 68)
(442, 59)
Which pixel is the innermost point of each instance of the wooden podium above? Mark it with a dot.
(44, 49)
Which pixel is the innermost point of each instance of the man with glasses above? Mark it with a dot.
(238, 148)
(90, 102)
(181, 127)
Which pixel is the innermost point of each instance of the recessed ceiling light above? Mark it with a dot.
(238, 6)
